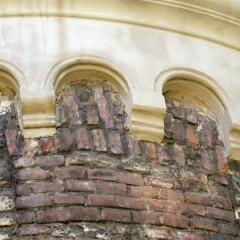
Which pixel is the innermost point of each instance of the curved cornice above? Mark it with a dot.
(213, 20)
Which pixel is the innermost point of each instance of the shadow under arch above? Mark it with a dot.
(83, 67)
(204, 88)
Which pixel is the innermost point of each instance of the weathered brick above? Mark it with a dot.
(92, 116)
(24, 162)
(159, 182)
(22, 189)
(203, 223)
(198, 198)
(13, 142)
(82, 138)
(146, 217)
(65, 139)
(191, 136)
(32, 174)
(220, 214)
(178, 153)
(42, 187)
(33, 201)
(162, 205)
(46, 216)
(133, 146)
(116, 215)
(228, 229)
(115, 143)
(221, 159)
(206, 133)
(173, 220)
(48, 144)
(190, 236)
(222, 202)
(207, 159)
(85, 214)
(187, 208)
(81, 186)
(150, 150)
(202, 178)
(99, 140)
(102, 105)
(179, 132)
(33, 230)
(158, 233)
(25, 217)
(191, 116)
(175, 195)
(68, 199)
(130, 178)
(178, 112)
(145, 192)
(133, 203)
(101, 200)
(69, 172)
(102, 174)
(50, 161)
(111, 188)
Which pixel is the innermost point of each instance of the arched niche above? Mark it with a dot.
(207, 91)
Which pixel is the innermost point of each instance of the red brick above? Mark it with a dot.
(13, 142)
(21, 189)
(190, 236)
(92, 116)
(146, 217)
(48, 144)
(150, 150)
(102, 105)
(162, 205)
(32, 174)
(130, 178)
(203, 223)
(65, 139)
(50, 161)
(82, 139)
(221, 159)
(69, 172)
(227, 229)
(179, 155)
(145, 192)
(25, 217)
(68, 199)
(207, 159)
(191, 135)
(111, 188)
(99, 140)
(187, 208)
(81, 186)
(116, 215)
(173, 220)
(115, 143)
(102, 174)
(101, 200)
(220, 214)
(33, 230)
(24, 162)
(133, 146)
(222, 202)
(198, 198)
(202, 178)
(206, 133)
(85, 214)
(33, 201)
(42, 187)
(192, 116)
(159, 182)
(46, 216)
(133, 203)
(158, 233)
(178, 112)
(179, 132)
(175, 195)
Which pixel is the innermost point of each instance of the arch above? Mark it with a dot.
(82, 67)
(204, 88)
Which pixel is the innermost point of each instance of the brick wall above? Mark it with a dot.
(95, 181)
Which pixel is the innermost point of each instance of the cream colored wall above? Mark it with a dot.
(138, 45)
